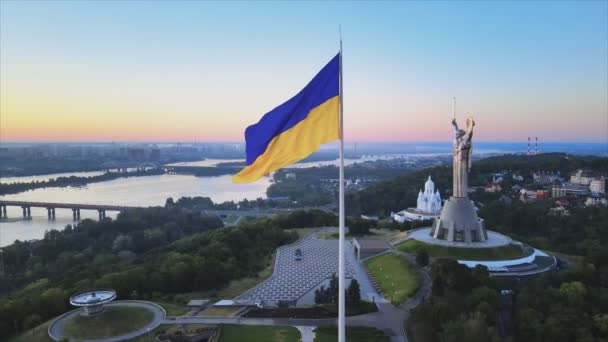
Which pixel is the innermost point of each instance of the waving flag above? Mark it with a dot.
(295, 129)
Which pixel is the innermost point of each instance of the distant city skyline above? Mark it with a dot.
(161, 71)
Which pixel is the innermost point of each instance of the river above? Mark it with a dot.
(136, 191)
(132, 191)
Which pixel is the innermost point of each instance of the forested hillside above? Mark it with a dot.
(401, 192)
(144, 253)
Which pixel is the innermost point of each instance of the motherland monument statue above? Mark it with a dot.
(458, 221)
(462, 150)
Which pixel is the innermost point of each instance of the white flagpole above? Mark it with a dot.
(341, 280)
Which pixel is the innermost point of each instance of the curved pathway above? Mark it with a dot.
(56, 327)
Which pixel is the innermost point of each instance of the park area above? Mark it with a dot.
(251, 333)
(114, 321)
(397, 279)
(507, 252)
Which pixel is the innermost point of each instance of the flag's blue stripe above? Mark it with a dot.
(323, 87)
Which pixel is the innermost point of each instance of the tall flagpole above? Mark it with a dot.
(341, 280)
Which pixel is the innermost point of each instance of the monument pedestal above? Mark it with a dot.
(459, 222)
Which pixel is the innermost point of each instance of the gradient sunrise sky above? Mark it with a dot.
(185, 70)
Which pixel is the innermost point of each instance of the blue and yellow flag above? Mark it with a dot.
(295, 129)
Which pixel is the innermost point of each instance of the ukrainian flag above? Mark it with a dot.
(295, 129)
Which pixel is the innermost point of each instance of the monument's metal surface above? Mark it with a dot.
(458, 221)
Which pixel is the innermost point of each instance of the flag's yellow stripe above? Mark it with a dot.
(320, 126)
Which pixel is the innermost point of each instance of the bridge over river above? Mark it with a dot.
(102, 208)
(76, 207)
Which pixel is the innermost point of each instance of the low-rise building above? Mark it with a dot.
(543, 177)
(596, 201)
(493, 187)
(368, 247)
(559, 211)
(518, 178)
(568, 189)
(533, 195)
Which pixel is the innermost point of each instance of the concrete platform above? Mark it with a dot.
(494, 240)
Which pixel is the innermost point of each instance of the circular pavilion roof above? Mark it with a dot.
(91, 298)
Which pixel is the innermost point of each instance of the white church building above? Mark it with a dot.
(428, 206)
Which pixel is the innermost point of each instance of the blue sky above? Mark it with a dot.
(72, 70)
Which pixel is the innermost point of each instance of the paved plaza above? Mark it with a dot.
(293, 278)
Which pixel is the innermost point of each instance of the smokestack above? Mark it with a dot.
(536, 147)
(528, 145)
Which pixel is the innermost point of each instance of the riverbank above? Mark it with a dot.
(18, 187)
(142, 191)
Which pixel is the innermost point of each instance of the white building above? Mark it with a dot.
(598, 185)
(428, 205)
(596, 201)
(583, 177)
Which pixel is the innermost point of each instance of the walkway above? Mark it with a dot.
(307, 333)
(56, 327)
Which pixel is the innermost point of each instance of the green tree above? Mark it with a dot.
(601, 324)
(574, 292)
(54, 301)
(353, 292)
(32, 321)
(169, 202)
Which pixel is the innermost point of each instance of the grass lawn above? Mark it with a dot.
(396, 277)
(435, 251)
(115, 321)
(353, 334)
(173, 309)
(37, 334)
(258, 333)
